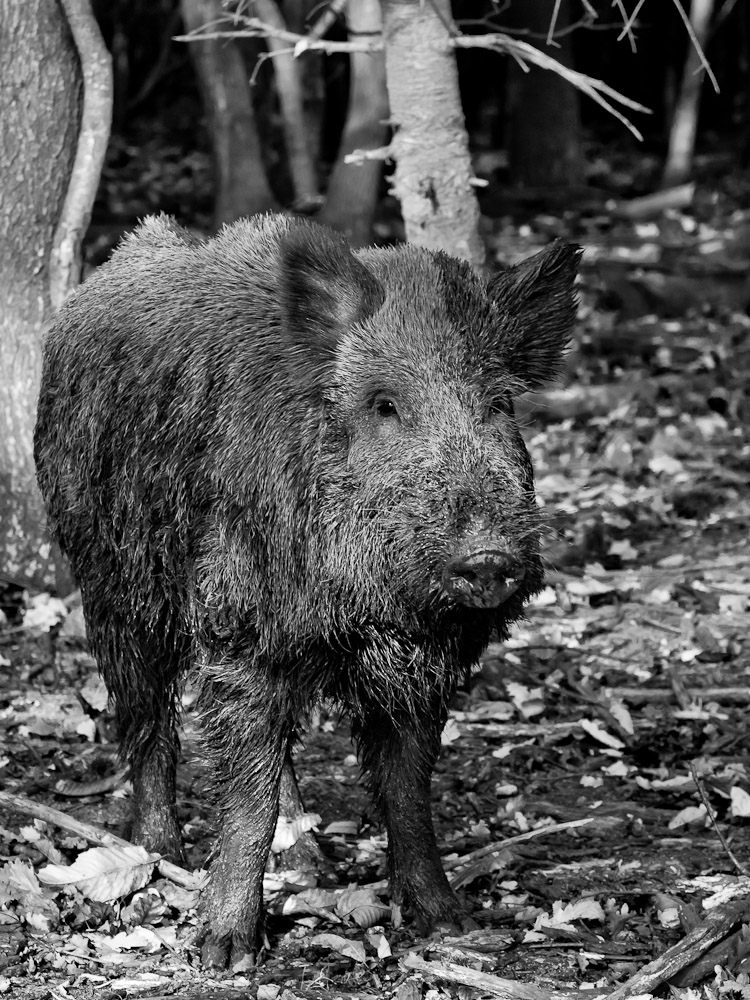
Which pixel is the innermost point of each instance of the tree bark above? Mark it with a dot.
(433, 172)
(353, 187)
(40, 112)
(241, 184)
(679, 160)
(545, 121)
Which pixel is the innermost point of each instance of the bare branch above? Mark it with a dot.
(552, 23)
(361, 155)
(255, 28)
(696, 45)
(96, 122)
(524, 52)
(521, 51)
(627, 24)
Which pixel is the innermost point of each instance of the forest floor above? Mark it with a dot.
(592, 799)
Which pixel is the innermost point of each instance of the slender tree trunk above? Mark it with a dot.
(311, 71)
(685, 120)
(288, 76)
(66, 259)
(40, 113)
(433, 167)
(305, 854)
(545, 121)
(241, 184)
(353, 188)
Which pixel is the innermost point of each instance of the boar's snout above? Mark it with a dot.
(483, 578)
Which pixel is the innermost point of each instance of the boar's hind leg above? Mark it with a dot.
(398, 757)
(246, 736)
(153, 768)
(141, 675)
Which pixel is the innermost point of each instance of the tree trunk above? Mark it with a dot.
(311, 71)
(287, 73)
(685, 120)
(305, 854)
(353, 187)
(433, 167)
(40, 112)
(241, 184)
(66, 258)
(545, 122)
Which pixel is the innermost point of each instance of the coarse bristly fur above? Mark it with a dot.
(260, 452)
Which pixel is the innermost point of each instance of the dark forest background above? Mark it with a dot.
(160, 156)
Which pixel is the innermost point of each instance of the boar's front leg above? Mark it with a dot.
(398, 754)
(246, 737)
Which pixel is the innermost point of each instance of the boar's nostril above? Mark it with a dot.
(484, 578)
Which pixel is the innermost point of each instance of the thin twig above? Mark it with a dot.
(628, 22)
(627, 30)
(712, 818)
(523, 51)
(500, 845)
(696, 45)
(552, 23)
(255, 28)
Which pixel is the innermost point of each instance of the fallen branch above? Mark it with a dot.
(464, 976)
(720, 924)
(520, 838)
(730, 695)
(468, 865)
(650, 205)
(79, 790)
(87, 831)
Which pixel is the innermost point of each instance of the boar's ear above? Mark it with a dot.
(537, 298)
(324, 291)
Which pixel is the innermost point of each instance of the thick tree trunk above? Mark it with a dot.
(40, 112)
(353, 188)
(241, 184)
(433, 167)
(545, 122)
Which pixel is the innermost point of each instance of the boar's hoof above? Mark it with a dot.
(483, 579)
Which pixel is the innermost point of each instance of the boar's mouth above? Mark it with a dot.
(483, 578)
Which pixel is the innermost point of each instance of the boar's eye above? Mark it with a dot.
(500, 406)
(385, 408)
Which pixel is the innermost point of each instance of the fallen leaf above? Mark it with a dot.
(344, 946)
(740, 802)
(103, 873)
